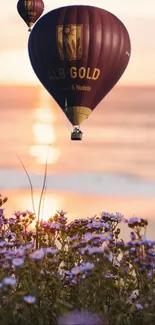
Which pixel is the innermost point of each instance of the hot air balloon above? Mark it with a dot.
(79, 53)
(30, 11)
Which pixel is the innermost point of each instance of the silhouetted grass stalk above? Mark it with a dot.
(42, 195)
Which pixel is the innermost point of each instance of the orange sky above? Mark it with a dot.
(138, 16)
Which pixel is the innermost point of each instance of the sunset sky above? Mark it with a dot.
(138, 16)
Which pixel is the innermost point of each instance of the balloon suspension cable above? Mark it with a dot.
(68, 125)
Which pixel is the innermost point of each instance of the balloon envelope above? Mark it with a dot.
(30, 10)
(79, 53)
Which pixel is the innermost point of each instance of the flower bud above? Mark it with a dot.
(5, 199)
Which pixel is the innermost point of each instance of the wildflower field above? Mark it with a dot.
(79, 273)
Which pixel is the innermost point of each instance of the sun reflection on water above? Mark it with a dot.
(44, 114)
(44, 132)
(42, 154)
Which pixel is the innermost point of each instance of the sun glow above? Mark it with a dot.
(44, 115)
(44, 133)
(50, 204)
(44, 148)
(44, 153)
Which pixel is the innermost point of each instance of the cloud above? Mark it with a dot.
(99, 184)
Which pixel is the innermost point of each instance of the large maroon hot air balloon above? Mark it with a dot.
(30, 10)
(79, 53)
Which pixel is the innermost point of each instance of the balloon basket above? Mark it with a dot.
(76, 135)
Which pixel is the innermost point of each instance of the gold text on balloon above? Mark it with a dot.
(74, 73)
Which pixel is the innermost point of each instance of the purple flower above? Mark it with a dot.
(95, 224)
(3, 250)
(55, 226)
(139, 306)
(149, 275)
(3, 243)
(135, 221)
(62, 219)
(109, 276)
(133, 296)
(149, 243)
(11, 243)
(105, 215)
(89, 236)
(95, 250)
(80, 318)
(73, 281)
(151, 252)
(45, 225)
(133, 236)
(12, 221)
(110, 257)
(118, 217)
(6, 266)
(107, 236)
(17, 262)
(9, 281)
(84, 250)
(30, 299)
(10, 235)
(150, 298)
(87, 266)
(120, 243)
(1, 223)
(37, 254)
(17, 214)
(23, 214)
(28, 246)
(80, 223)
(50, 250)
(76, 270)
(21, 252)
(82, 268)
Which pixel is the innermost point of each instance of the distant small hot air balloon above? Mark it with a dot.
(79, 53)
(30, 11)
